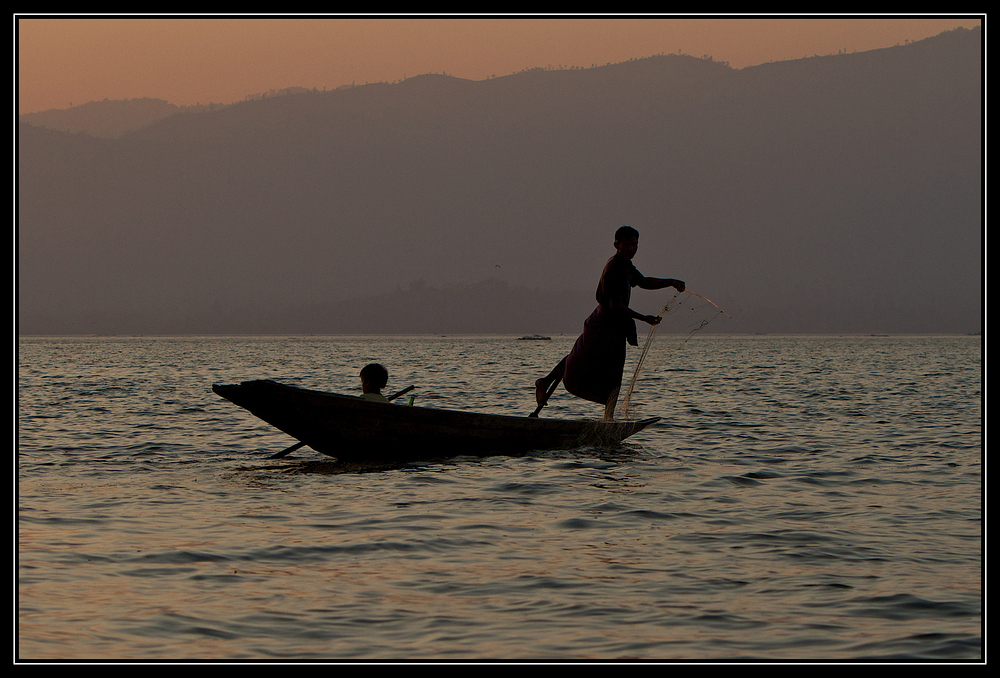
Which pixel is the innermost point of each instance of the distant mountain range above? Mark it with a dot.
(114, 118)
(827, 194)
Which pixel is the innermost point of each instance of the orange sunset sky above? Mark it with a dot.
(72, 60)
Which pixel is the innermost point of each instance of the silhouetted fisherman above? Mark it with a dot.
(593, 369)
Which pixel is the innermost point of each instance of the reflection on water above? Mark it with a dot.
(803, 498)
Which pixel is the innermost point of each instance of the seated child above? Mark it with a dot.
(373, 379)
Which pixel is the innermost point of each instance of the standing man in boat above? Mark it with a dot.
(593, 369)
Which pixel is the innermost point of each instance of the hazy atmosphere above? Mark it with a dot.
(312, 367)
(336, 175)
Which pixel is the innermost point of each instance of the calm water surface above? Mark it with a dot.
(803, 498)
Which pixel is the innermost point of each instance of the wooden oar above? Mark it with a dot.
(548, 394)
(285, 452)
(288, 450)
(403, 392)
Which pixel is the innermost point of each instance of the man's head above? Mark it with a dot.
(627, 241)
(626, 232)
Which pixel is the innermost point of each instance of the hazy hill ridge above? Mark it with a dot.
(110, 118)
(839, 193)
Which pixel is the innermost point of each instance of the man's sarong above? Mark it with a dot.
(594, 367)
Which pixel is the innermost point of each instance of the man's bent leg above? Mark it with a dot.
(542, 385)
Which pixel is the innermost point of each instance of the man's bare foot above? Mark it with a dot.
(609, 407)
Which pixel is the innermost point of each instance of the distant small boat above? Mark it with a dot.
(353, 429)
(534, 337)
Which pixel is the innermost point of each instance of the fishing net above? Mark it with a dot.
(680, 319)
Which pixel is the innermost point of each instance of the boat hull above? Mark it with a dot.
(350, 428)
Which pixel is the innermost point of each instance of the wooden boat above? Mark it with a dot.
(351, 428)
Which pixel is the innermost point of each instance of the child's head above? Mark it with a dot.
(374, 377)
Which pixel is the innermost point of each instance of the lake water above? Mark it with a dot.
(803, 498)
